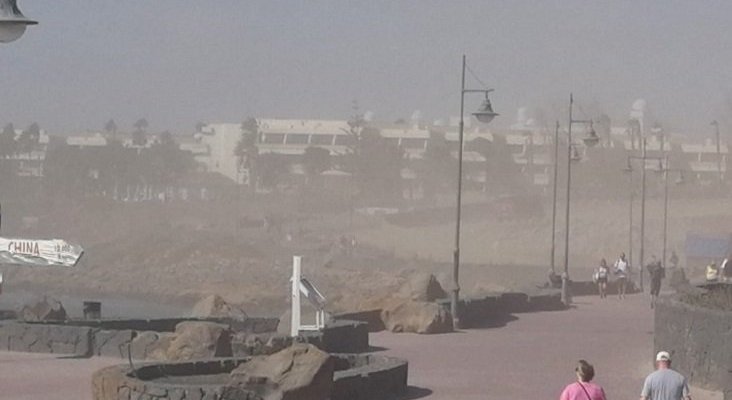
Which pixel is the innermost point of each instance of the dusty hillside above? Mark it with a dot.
(186, 251)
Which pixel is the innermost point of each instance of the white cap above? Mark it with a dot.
(663, 356)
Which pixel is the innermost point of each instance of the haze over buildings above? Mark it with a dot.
(177, 62)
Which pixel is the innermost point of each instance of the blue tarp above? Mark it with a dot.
(708, 246)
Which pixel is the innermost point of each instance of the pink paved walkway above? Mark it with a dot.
(530, 358)
(25, 376)
(534, 356)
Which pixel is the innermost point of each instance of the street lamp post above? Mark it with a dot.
(666, 170)
(554, 195)
(642, 212)
(590, 140)
(719, 149)
(484, 114)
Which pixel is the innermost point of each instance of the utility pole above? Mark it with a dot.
(554, 194)
(643, 211)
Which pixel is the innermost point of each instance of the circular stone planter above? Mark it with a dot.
(357, 376)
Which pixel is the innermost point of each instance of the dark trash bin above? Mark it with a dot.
(92, 310)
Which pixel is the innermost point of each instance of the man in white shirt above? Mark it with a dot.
(665, 383)
(622, 271)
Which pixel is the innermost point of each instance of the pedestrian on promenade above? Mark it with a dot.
(583, 389)
(665, 383)
(600, 276)
(712, 272)
(622, 270)
(657, 272)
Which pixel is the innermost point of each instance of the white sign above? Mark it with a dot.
(39, 252)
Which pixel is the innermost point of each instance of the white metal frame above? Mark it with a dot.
(301, 286)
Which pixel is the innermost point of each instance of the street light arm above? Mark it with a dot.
(484, 91)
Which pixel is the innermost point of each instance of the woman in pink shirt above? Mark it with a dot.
(583, 389)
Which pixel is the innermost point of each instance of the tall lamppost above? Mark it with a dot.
(680, 180)
(590, 140)
(484, 114)
(12, 22)
(715, 124)
(554, 195)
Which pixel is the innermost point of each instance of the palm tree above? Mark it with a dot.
(246, 148)
(111, 128)
(138, 136)
(8, 145)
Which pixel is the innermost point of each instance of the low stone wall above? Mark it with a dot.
(478, 311)
(357, 377)
(699, 342)
(589, 288)
(56, 339)
(249, 325)
(81, 340)
(362, 377)
(494, 308)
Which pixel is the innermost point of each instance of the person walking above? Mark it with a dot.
(665, 383)
(712, 272)
(583, 389)
(622, 269)
(601, 274)
(657, 272)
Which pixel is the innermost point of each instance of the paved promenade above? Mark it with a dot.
(533, 357)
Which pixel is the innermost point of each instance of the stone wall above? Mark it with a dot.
(495, 308)
(56, 339)
(699, 342)
(357, 377)
(76, 339)
(478, 311)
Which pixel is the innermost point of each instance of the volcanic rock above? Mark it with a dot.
(48, 309)
(214, 306)
(301, 372)
(422, 287)
(417, 317)
(199, 340)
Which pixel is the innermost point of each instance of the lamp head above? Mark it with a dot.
(12, 21)
(485, 113)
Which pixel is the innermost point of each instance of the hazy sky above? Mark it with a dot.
(177, 62)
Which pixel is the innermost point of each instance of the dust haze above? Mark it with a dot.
(193, 148)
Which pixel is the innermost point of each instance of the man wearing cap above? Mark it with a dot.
(665, 383)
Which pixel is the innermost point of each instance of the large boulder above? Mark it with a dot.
(422, 287)
(417, 317)
(214, 306)
(299, 372)
(198, 340)
(48, 309)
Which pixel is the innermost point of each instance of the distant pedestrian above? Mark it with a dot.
(657, 272)
(622, 271)
(712, 272)
(601, 274)
(674, 260)
(665, 383)
(583, 389)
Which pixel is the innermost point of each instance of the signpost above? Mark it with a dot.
(39, 252)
